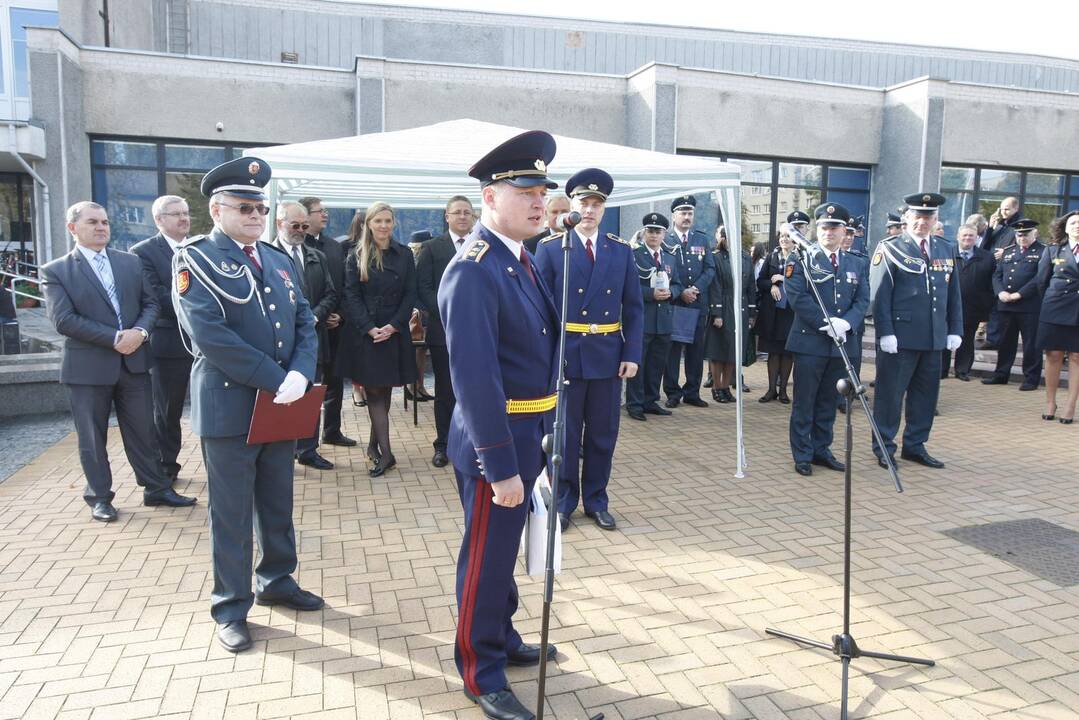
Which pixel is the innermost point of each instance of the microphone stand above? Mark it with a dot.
(843, 645)
(554, 445)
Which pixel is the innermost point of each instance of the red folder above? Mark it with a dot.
(272, 422)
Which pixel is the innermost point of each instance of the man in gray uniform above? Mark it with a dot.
(252, 329)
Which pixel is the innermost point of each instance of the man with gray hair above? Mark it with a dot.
(171, 369)
(102, 304)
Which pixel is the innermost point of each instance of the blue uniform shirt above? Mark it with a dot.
(603, 293)
(845, 293)
(243, 344)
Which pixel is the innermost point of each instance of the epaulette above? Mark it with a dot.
(476, 250)
(549, 238)
(857, 253)
(193, 240)
(615, 238)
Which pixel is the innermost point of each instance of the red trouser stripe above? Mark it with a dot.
(481, 510)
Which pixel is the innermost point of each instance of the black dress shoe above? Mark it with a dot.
(298, 599)
(439, 459)
(167, 497)
(725, 396)
(501, 705)
(103, 511)
(657, 410)
(603, 519)
(829, 461)
(784, 397)
(768, 396)
(672, 402)
(923, 458)
(313, 459)
(338, 439)
(803, 468)
(234, 636)
(384, 463)
(564, 521)
(695, 402)
(529, 655)
(883, 464)
(995, 380)
(965, 377)
(708, 382)
(636, 414)
(1027, 387)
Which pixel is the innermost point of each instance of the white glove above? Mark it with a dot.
(836, 327)
(889, 344)
(953, 342)
(292, 388)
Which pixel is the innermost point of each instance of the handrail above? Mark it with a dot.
(16, 277)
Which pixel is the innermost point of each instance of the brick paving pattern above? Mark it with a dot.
(662, 619)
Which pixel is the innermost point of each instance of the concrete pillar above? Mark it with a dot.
(651, 124)
(370, 95)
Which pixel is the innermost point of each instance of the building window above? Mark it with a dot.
(1043, 195)
(772, 188)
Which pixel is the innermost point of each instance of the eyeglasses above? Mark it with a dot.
(321, 211)
(177, 214)
(299, 226)
(248, 208)
(462, 213)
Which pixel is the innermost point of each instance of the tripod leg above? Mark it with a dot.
(843, 695)
(798, 639)
(898, 658)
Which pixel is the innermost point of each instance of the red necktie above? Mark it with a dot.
(925, 250)
(249, 250)
(527, 265)
(588, 249)
(656, 256)
(835, 263)
(1075, 251)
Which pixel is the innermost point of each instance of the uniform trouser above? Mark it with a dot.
(486, 590)
(992, 328)
(592, 407)
(814, 406)
(856, 363)
(1012, 324)
(694, 366)
(642, 390)
(916, 374)
(249, 485)
(445, 400)
(307, 446)
(90, 407)
(964, 356)
(169, 378)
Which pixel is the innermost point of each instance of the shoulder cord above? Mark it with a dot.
(181, 261)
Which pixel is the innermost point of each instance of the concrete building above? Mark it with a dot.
(176, 86)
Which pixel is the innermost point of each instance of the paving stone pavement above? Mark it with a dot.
(663, 619)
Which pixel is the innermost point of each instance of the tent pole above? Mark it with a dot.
(732, 221)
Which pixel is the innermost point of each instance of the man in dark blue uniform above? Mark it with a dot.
(697, 268)
(658, 271)
(859, 330)
(842, 280)
(251, 329)
(1015, 282)
(918, 312)
(603, 342)
(502, 334)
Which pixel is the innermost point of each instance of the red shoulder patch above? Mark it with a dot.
(183, 281)
(790, 270)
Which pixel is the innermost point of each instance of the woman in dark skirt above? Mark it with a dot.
(380, 292)
(1058, 328)
(719, 347)
(774, 319)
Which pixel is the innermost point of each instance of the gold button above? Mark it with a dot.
(584, 312)
(272, 307)
(226, 383)
(608, 291)
(267, 289)
(280, 343)
(277, 325)
(580, 290)
(544, 330)
(606, 313)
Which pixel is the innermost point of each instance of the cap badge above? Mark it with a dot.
(830, 209)
(593, 186)
(540, 165)
(926, 198)
(254, 168)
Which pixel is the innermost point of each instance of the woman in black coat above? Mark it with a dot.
(719, 347)
(1058, 328)
(774, 319)
(380, 292)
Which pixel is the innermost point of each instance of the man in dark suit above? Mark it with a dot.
(435, 255)
(974, 268)
(171, 368)
(335, 261)
(317, 285)
(100, 302)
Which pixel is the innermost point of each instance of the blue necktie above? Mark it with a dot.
(104, 273)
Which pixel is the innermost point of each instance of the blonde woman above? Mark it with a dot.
(380, 292)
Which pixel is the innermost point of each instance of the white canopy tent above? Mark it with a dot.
(422, 167)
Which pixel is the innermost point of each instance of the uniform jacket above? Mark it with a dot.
(976, 284)
(240, 347)
(1058, 281)
(608, 292)
(502, 336)
(658, 314)
(767, 310)
(156, 255)
(698, 266)
(80, 310)
(1002, 236)
(388, 296)
(918, 302)
(721, 292)
(845, 293)
(316, 281)
(435, 255)
(1017, 271)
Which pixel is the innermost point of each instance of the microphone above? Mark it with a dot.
(797, 237)
(566, 221)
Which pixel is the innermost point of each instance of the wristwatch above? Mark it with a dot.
(145, 335)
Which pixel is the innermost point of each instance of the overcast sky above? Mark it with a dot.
(1031, 26)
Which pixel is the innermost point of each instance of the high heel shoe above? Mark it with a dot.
(784, 397)
(1067, 421)
(715, 395)
(373, 454)
(384, 464)
(768, 396)
(1050, 416)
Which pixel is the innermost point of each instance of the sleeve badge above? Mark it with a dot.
(183, 281)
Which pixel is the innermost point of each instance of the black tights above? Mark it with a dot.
(378, 409)
(779, 370)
